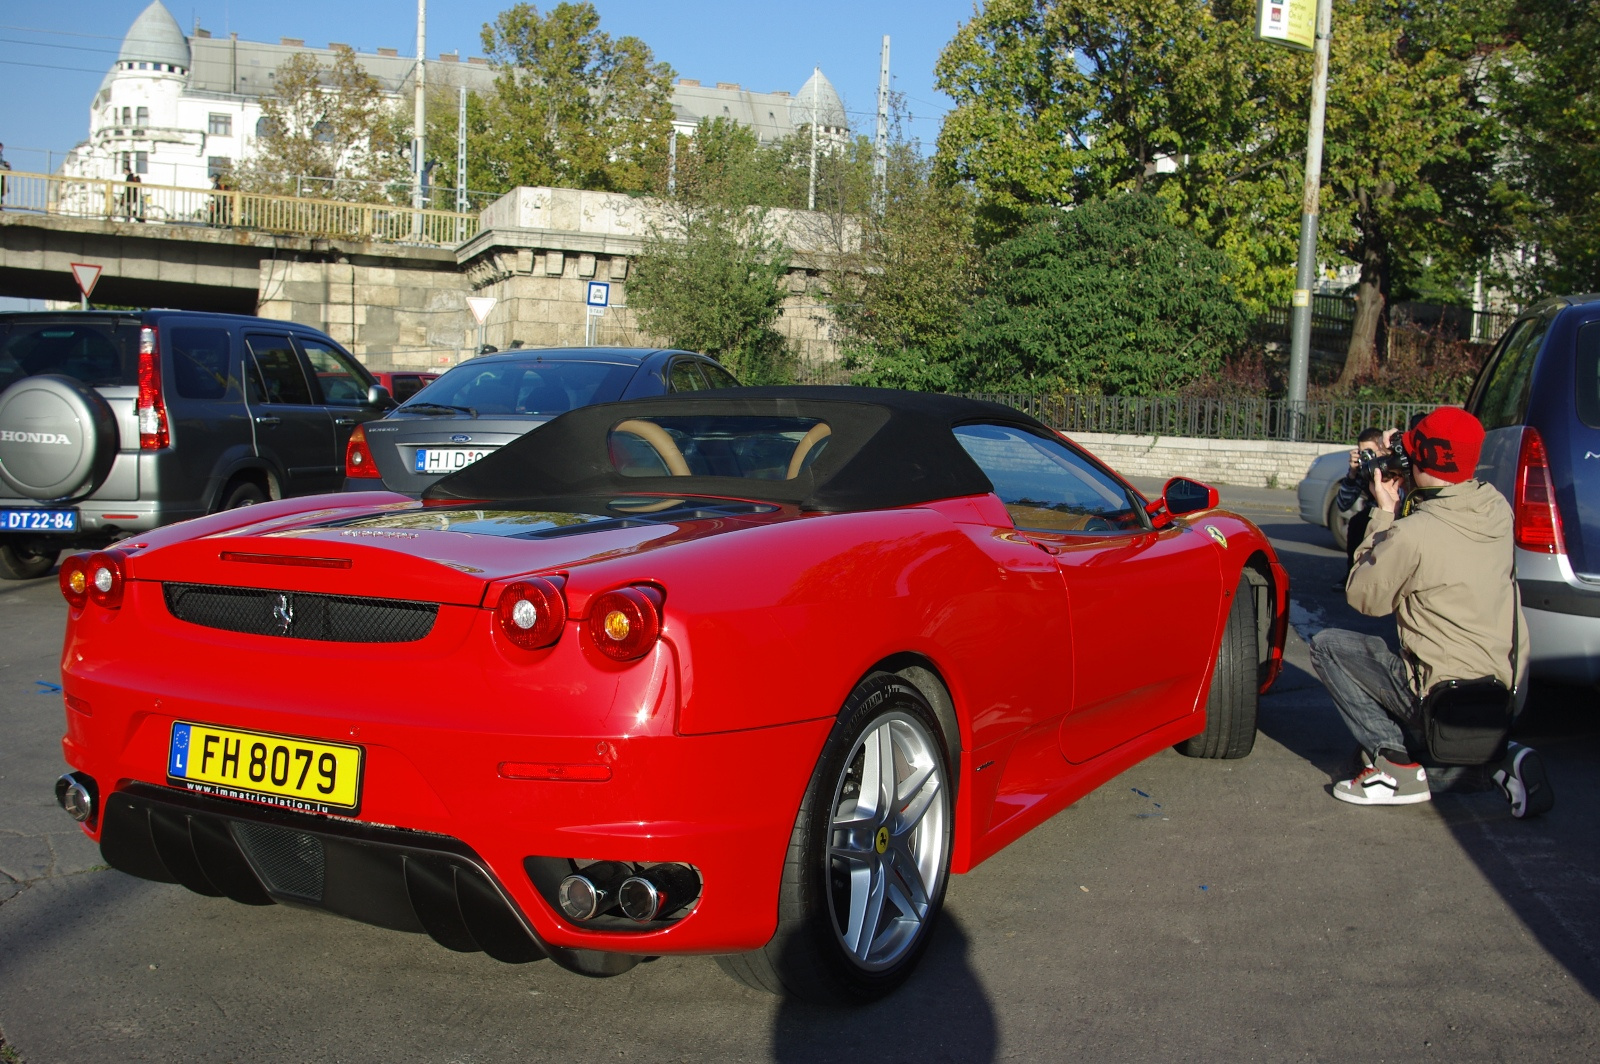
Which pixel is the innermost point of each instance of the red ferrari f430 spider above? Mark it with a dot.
(744, 673)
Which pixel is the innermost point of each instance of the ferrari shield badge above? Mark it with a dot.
(1216, 533)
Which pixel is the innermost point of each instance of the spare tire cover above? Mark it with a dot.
(58, 438)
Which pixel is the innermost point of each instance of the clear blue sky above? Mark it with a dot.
(53, 54)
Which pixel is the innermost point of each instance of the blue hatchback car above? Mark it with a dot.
(1538, 397)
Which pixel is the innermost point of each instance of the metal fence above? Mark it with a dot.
(1333, 318)
(1339, 421)
(77, 197)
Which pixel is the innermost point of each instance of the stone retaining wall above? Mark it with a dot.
(1244, 463)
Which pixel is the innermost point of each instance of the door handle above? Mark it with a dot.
(344, 421)
(267, 419)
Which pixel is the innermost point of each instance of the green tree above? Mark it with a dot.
(1058, 101)
(1402, 123)
(572, 107)
(1108, 297)
(708, 279)
(1546, 85)
(329, 123)
(902, 296)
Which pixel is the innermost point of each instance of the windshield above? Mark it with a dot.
(531, 386)
(95, 352)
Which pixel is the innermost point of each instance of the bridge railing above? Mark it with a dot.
(80, 197)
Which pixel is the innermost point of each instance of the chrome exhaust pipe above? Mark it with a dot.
(75, 794)
(592, 892)
(640, 899)
(658, 892)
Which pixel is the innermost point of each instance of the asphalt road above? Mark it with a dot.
(1186, 910)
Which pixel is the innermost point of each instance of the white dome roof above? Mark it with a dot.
(818, 96)
(155, 37)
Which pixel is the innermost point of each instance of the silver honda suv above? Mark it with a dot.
(114, 423)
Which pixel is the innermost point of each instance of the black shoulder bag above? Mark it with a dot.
(1465, 722)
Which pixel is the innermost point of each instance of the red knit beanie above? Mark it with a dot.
(1446, 444)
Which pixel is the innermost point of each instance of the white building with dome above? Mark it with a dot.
(176, 109)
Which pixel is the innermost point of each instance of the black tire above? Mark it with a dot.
(807, 957)
(1338, 523)
(1233, 702)
(22, 563)
(241, 493)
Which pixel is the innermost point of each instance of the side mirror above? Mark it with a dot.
(1185, 496)
(378, 396)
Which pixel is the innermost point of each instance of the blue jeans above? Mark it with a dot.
(1371, 688)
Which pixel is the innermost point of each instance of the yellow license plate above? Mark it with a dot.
(276, 769)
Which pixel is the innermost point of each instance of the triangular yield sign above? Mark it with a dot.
(86, 274)
(481, 306)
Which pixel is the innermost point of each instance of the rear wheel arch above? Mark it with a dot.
(924, 675)
(247, 471)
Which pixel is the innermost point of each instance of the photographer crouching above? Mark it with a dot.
(1444, 569)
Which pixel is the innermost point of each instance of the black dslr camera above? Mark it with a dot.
(1396, 462)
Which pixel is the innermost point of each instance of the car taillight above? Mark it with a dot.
(152, 408)
(358, 461)
(625, 623)
(1537, 521)
(74, 577)
(106, 578)
(532, 613)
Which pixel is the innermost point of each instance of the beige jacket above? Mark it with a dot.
(1444, 571)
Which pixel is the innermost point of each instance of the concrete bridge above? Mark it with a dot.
(388, 282)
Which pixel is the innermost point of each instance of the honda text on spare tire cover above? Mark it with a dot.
(114, 423)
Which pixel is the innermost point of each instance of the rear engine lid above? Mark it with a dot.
(446, 554)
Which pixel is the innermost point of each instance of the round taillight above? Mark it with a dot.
(532, 613)
(105, 574)
(74, 577)
(625, 623)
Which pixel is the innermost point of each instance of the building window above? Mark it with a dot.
(217, 165)
(127, 116)
(322, 133)
(266, 127)
(220, 125)
(141, 117)
(141, 162)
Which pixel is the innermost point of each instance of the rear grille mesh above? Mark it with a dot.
(291, 862)
(301, 614)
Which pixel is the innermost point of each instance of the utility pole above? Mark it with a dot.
(880, 148)
(811, 188)
(419, 140)
(1305, 266)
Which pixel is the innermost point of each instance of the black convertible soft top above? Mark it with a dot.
(889, 448)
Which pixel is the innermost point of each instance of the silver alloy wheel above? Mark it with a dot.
(886, 856)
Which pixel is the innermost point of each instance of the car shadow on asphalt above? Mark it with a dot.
(1548, 868)
(1298, 715)
(942, 1013)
